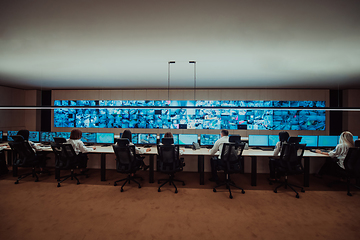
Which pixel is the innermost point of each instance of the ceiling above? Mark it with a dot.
(93, 44)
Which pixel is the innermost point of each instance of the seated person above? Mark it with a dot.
(216, 161)
(140, 162)
(336, 162)
(79, 148)
(42, 155)
(273, 161)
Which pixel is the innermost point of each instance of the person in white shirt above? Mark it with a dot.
(216, 161)
(274, 161)
(79, 148)
(337, 155)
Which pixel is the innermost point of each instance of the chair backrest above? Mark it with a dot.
(27, 156)
(231, 155)
(18, 138)
(167, 140)
(291, 156)
(168, 157)
(125, 157)
(59, 140)
(66, 157)
(352, 161)
(235, 138)
(122, 141)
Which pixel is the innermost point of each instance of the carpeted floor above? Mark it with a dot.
(98, 210)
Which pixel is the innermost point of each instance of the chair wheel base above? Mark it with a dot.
(231, 197)
(176, 191)
(302, 190)
(36, 180)
(58, 185)
(78, 183)
(214, 190)
(139, 186)
(17, 182)
(297, 196)
(275, 191)
(242, 191)
(183, 184)
(115, 184)
(349, 194)
(159, 190)
(121, 190)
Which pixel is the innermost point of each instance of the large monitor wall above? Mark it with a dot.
(190, 115)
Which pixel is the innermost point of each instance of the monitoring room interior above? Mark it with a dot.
(179, 50)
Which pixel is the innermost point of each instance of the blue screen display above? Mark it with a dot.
(147, 138)
(1, 135)
(328, 141)
(190, 118)
(34, 136)
(105, 138)
(310, 141)
(273, 139)
(175, 137)
(47, 136)
(11, 133)
(208, 139)
(258, 140)
(65, 135)
(187, 139)
(88, 137)
(134, 138)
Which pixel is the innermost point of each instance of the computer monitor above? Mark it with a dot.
(34, 136)
(11, 133)
(273, 139)
(328, 141)
(47, 136)
(187, 139)
(175, 137)
(147, 138)
(65, 135)
(258, 140)
(208, 139)
(1, 136)
(105, 138)
(88, 137)
(310, 141)
(134, 138)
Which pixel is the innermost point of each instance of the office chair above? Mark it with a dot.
(169, 162)
(231, 157)
(59, 140)
(352, 169)
(65, 159)
(26, 157)
(126, 161)
(290, 164)
(357, 143)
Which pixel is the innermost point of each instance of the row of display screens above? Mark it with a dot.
(310, 141)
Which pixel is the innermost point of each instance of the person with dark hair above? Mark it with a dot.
(140, 162)
(42, 155)
(79, 148)
(273, 161)
(216, 161)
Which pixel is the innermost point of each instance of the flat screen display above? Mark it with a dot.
(34, 136)
(327, 141)
(273, 139)
(134, 138)
(1, 135)
(310, 141)
(88, 137)
(11, 133)
(208, 139)
(258, 140)
(187, 139)
(106, 138)
(47, 136)
(175, 137)
(223, 115)
(147, 138)
(65, 135)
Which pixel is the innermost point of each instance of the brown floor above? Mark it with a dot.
(98, 210)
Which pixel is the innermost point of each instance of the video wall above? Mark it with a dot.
(190, 115)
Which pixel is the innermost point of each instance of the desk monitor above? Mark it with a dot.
(327, 141)
(1, 136)
(147, 138)
(273, 139)
(11, 133)
(88, 137)
(105, 138)
(208, 139)
(310, 141)
(188, 139)
(47, 136)
(34, 136)
(65, 135)
(175, 137)
(258, 140)
(134, 138)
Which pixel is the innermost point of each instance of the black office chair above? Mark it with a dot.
(26, 157)
(126, 161)
(231, 157)
(351, 171)
(59, 140)
(290, 164)
(66, 159)
(169, 162)
(357, 143)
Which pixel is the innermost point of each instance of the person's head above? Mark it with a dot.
(347, 138)
(168, 135)
(224, 133)
(283, 136)
(75, 134)
(127, 134)
(25, 133)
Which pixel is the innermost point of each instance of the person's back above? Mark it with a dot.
(216, 161)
